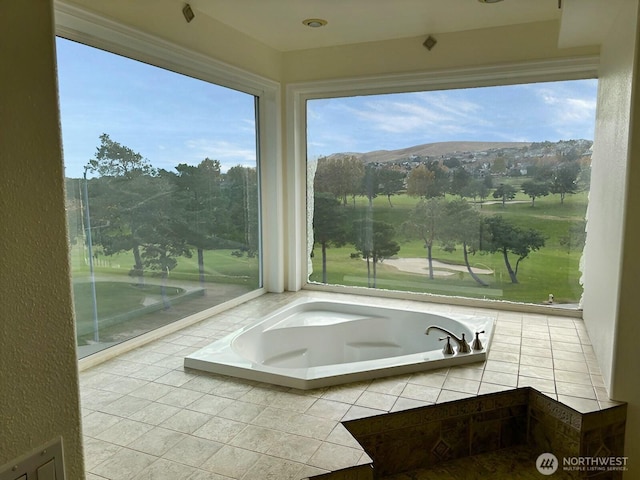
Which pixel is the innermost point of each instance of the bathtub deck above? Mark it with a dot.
(145, 416)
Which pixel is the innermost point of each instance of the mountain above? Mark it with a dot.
(430, 150)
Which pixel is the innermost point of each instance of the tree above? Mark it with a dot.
(535, 189)
(460, 181)
(505, 192)
(506, 238)
(499, 165)
(475, 189)
(198, 198)
(463, 226)
(341, 176)
(122, 199)
(240, 189)
(425, 222)
(391, 181)
(565, 179)
(374, 240)
(369, 184)
(419, 181)
(329, 225)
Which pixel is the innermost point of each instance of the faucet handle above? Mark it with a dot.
(477, 344)
(448, 349)
(463, 346)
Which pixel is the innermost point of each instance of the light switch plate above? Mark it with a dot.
(46, 460)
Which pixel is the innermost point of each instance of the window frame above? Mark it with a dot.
(560, 69)
(77, 24)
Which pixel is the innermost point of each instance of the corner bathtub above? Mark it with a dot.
(312, 344)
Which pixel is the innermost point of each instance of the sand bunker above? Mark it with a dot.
(440, 269)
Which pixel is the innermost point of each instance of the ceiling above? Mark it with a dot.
(278, 23)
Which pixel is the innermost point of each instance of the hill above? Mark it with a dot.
(432, 150)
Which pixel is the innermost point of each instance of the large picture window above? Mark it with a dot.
(473, 192)
(162, 193)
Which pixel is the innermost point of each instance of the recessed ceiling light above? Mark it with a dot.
(314, 22)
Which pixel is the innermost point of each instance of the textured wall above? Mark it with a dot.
(611, 269)
(38, 368)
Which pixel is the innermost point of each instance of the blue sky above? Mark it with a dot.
(519, 113)
(171, 119)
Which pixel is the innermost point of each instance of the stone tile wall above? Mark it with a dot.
(431, 435)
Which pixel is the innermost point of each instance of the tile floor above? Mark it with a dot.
(146, 417)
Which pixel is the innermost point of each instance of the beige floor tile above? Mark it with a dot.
(504, 367)
(126, 406)
(500, 378)
(210, 404)
(534, 361)
(192, 451)
(580, 378)
(97, 451)
(357, 411)
(154, 413)
(378, 401)
(450, 396)
(389, 386)
(408, 403)
(220, 429)
(124, 465)
(341, 436)
(124, 432)
(186, 421)
(328, 409)
(152, 391)
(270, 468)
(204, 475)
(575, 390)
(333, 457)
(429, 379)
(540, 384)
(180, 397)
(97, 422)
(175, 378)
(421, 392)
(157, 441)
(94, 399)
(583, 405)
(570, 366)
(163, 469)
(257, 439)
(468, 373)
(536, 372)
(150, 372)
(231, 461)
(294, 447)
(242, 411)
(461, 385)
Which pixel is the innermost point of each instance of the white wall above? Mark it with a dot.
(611, 274)
(38, 369)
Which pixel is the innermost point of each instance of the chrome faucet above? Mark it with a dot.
(463, 346)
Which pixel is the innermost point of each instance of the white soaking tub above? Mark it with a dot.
(314, 343)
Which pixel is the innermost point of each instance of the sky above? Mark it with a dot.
(171, 119)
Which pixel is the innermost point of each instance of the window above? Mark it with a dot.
(473, 192)
(163, 194)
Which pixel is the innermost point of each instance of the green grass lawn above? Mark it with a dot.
(552, 269)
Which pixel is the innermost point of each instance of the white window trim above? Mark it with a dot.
(574, 68)
(77, 24)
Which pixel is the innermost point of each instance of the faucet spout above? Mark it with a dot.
(463, 346)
